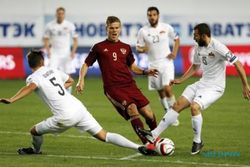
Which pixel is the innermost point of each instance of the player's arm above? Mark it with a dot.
(139, 71)
(47, 45)
(175, 49)
(69, 82)
(82, 74)
(243, 77)
(74, 47)
(190, 72)
(24, 91)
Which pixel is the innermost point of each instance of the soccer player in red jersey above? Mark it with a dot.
(115, 59)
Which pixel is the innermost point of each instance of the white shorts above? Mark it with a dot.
(83, 121)
(62, 62)
(165, 75)
(203, 94)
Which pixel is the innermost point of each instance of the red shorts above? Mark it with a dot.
(122, 97)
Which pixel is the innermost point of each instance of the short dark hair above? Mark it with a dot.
(112, 19)
(60, 8)
(153, 8)
(203, 28)
(35, 57)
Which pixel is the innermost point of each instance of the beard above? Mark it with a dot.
(202, 43)
(153, 23)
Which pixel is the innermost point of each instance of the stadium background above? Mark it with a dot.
(22, 25)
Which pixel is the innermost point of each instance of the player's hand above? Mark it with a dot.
(246, 92)
(5, 101)
(175, 81)
(79, 87)
(141, 49)
(152, 72)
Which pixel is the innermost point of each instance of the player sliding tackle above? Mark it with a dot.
(210, 55)
(50, 84)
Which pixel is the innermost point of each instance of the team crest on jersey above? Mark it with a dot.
(211, 54)
(123, 50)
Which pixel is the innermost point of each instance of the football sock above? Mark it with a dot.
(171, 101)
(164, 103)
(121, 141)
(197, 125)
(169, 118)
(137, 123)
(37, 142)
(151, 123)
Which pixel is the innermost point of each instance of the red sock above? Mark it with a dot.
(136, 122)
(151, 123)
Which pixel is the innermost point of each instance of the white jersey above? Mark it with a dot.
(157, 39)
(212, 60)
(60, 36)
(50, 84)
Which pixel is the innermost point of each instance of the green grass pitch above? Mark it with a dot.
(226, 131)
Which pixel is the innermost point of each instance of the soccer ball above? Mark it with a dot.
(165, 147)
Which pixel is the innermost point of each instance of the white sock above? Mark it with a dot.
(121, 141)
(171, 101)
(164, 103)
(197, 125)
(169, 118)
(37, 142)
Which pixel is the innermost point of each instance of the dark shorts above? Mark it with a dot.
(122, 97)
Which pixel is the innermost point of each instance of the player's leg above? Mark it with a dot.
(163, 99)
(49, 125)
(116, 139)
(135, 120)
(203, 99)
(171, 116)
(125, 107)
(197, 121)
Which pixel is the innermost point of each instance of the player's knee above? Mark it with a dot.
(132, 110)
(101, 135)
(195, 109)
(177, 106)
(33, 131)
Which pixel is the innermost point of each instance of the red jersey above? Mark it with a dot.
(114, 59)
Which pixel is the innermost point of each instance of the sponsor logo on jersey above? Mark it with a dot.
(105, 50)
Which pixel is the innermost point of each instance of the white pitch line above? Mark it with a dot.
(131, 156)
(133, 160)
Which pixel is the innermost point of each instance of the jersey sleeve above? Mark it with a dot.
(130, 57)
(172, 33)
(74, 34)
(32, 79)
(226, 53)
(140, 40)
(92, 56)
